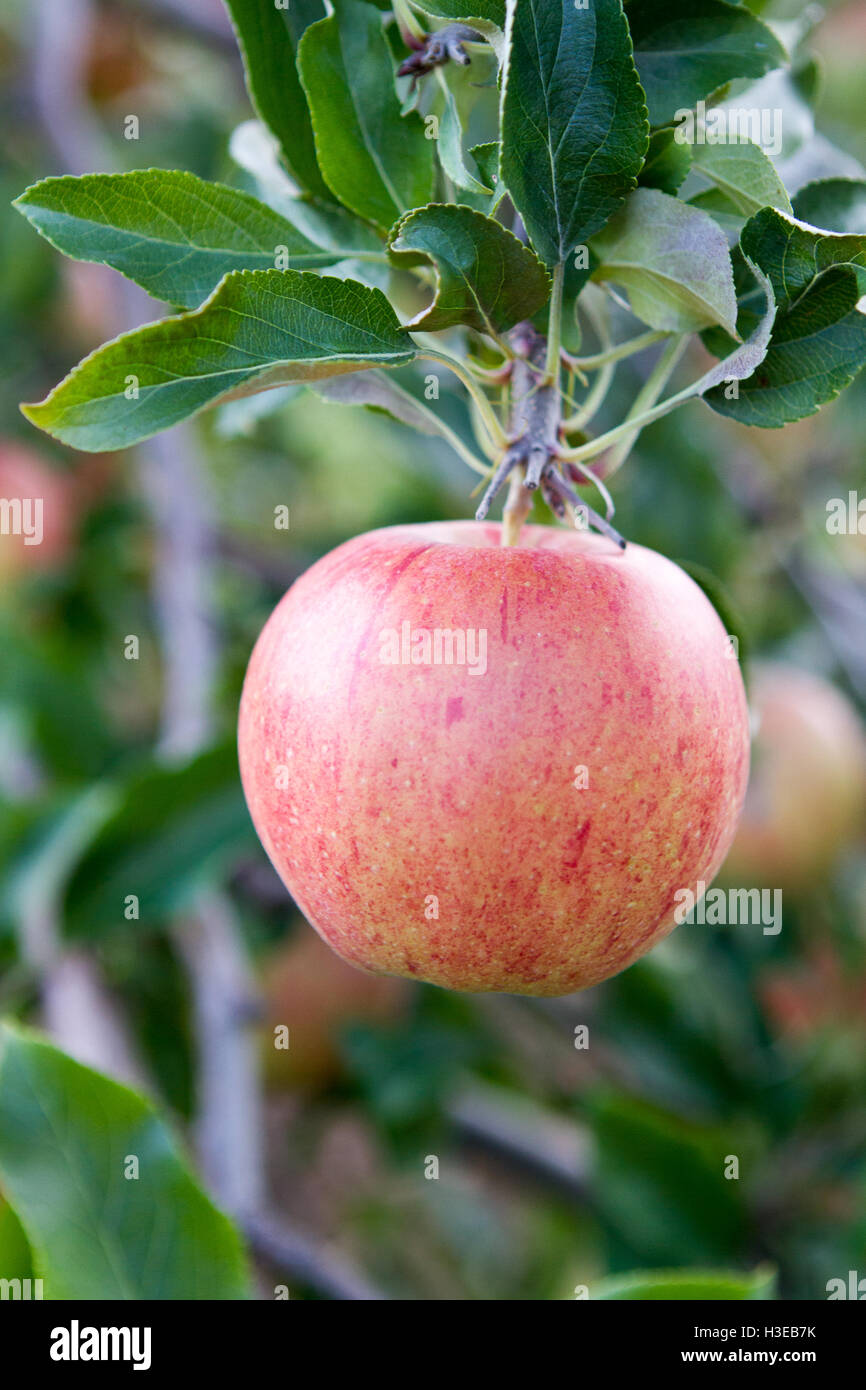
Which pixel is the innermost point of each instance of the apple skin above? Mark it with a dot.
(315, 994)
(374, 786)
(806, 794)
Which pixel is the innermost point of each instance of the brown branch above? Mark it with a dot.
(538, 1144)
(286, 1248)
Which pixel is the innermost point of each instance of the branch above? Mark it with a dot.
(169, 474)
(534, 1141)
(533, 427)
(285, 1247)
(84, 1019)
(230, 1121)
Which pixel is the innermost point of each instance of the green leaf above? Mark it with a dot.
(259, 328)
(742, 171)
(773, 111)
(668, 161)
(698, 1050)
(268, 38)
(239, 419)
(818, 348)
(67, 1135)
(688, 1284)
(686, 49)
(45, 684)
(486, 278)
(15, 1258)
(807, 74)
(837, 204)
(379, 391)
(465, 10)
(449, 147)
(36, 881)
(573, 121)
(406, 1078)
(486, 156)
(724, 213)
(672, 259)
(660, 1184)
(170, 831)
(170, 232)
(159, 833)
(743, 361)
(818, 343)
(486, 16)
(327, 225)
(794, 254)
(377, 162)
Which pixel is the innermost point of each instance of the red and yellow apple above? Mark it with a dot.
(488, 767)
(806, 794)
(315, 995)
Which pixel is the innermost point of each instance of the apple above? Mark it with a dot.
(820, 991)
(805, 798)
(314, 994)
(43, 498)
(522, 816)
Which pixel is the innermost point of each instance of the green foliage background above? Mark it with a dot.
(600, 1162)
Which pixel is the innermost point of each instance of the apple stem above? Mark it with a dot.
(412, 31)
(636, 419)
(518, 505)
(464, 373)
(613, 354)
(646, 397)
(532, 457)
(536, 408)
(596, 310)
(553, 344)
(536, 411)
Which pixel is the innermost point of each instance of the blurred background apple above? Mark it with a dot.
(316, 995)
(807, 788)
(25, 475)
